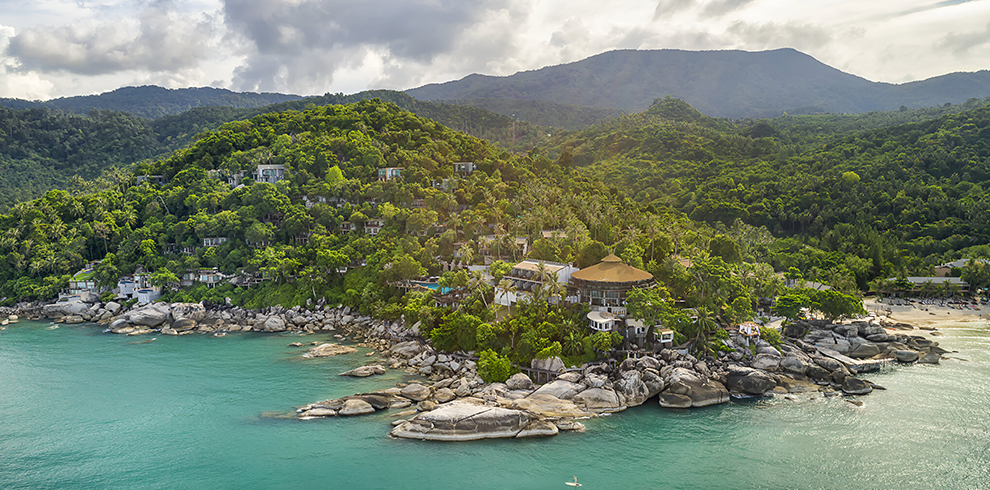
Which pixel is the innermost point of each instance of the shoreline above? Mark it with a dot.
(926, 315)
(816, 357)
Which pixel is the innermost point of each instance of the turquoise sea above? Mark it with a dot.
(84, 409)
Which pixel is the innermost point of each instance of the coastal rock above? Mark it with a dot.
(592, 380)
(766, 362)
(317, 412)
(654, 383)
(71, 319)
(185, 324)
(426, 405)
(463, 389)
(406, 349)
(151, 315)
(864, 350)
(565, 390)
(520, 381)
(750, 381)
(855, 386)
(598, 399)
(554, 364)
(416, 392)
(549, 406)
(572, 377)
(113, 307)
(276, 324)
(328, 350)
(460, 421)
(355, 406)
(796, 383)
(906, 355)
(444, 395)
(364, 371)
(794, 365)
(538, 428)
(929, 358)
(192, 311)
(674, 400)
(632, 388)
(701, 391)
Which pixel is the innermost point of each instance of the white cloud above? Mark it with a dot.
(63, 47)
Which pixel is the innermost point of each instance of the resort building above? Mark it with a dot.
(527, 278)
(945, 270)
(214, 241)
(918, 284)
(604, 286)
(464, 168)
(269, 173)
(210, 277)
(373, 226)
(154, 179)
(389, 173)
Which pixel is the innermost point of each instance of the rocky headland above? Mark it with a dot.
(451, 402)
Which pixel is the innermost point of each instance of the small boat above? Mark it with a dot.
(572, 483)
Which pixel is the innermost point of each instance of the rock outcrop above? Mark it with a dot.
(460, 421)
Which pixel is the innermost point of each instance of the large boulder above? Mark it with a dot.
(356, 406)
(565, 390)
(152, 315)
(654, 383)
(184, 324)
(766, 362)
(113, 307)
(855, 386)
(192, 311)
(406, 349)
(864, 350)
(701, 391)
(906, 355)
(328, 350)
(598, 399)
(554, 364)
(673, 400)
(460, 421)
(364, 371)
(274, 323)
(929, 358)
(794, 365)
(520, 381)
(750, 381)
(632, 388)
(416, 392)
(796, 383)
(89, 297)
(548, 406)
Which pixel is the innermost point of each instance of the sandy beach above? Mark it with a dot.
(927, 315)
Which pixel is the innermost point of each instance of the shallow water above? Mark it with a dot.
(83, 409)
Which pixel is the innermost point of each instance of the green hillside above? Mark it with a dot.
(43, 148)
(918, 189)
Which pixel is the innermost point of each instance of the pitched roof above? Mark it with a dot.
(611, 269)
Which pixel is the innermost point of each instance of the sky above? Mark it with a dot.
(58, 48)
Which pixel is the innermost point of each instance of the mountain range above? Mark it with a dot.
(152, 102)
(718, 83)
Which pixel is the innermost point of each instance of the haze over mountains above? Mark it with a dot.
(717, 83)
(152, 101)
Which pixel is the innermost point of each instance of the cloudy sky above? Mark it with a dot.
(54, 48)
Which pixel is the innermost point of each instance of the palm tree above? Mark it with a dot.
(552, 287)
(477, 282)
(706, 324)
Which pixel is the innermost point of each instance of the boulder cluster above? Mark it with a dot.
(187, 318)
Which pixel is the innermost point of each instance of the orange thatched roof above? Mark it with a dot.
(611, 269)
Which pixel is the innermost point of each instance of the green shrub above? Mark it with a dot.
(770, 335)
(494, 368)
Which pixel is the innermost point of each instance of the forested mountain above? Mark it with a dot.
(717, 83)
(919, 189)
(650, 187)
(42, 149)
(152, 101)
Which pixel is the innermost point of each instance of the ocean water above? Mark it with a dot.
(83, 409)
